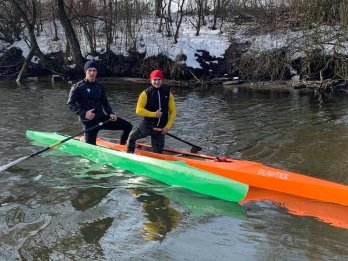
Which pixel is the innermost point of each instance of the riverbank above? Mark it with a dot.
(303, 86)
(300, 86)
(216, 82)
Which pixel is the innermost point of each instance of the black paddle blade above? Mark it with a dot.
(195, 149)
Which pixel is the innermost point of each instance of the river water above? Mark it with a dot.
(59, 207)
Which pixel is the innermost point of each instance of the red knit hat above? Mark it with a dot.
(156, 74)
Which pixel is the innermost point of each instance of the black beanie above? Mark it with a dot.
(90, 64)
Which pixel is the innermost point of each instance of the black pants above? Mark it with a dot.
(119, 124)
(145, 129)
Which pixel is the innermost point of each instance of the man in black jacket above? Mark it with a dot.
(88, 100)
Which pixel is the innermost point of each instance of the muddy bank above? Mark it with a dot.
(197, 84)
(303, 87)
(284, 86)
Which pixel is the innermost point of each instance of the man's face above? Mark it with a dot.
(156, 82)
(91, 74)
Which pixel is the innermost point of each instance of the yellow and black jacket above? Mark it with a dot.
(153, 99)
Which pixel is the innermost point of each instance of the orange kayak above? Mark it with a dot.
(251, 173)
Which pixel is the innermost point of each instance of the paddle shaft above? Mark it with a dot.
(4, 167)
(177, 138)
(184, 141)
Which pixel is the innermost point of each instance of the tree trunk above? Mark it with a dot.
(25, 65)
(70, 34)
(89, 32)
(55, 38)
(108, 25)
(34, 49)
(199, 17)
(158, 8)
(216, 14)
(170, 20)
(179, 13)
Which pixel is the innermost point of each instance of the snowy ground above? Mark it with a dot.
(153, 43)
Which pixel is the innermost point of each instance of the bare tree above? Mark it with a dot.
(167, 16)
(55, 27)
(108, 18)
(178, 20)
(220, 13)
(70, 34)
(199, 15)
(169, 11)
(10, 22)
(160, 24)
(158, 7)
(39, 20)
(27, 11)
(87, 14)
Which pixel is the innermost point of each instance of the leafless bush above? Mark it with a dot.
(10, 23)
(322, 27)
(155, 62)
(270, 65)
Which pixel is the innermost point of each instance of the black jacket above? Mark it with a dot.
(85, 95)
(157, 98)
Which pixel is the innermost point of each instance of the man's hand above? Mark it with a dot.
(90, 114)
(159, 113)
(113, 117)
(162, 130)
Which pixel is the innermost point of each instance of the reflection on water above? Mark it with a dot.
(94, 231)
(333, 214)
(59, 207)
(161, 217)
(88, 198)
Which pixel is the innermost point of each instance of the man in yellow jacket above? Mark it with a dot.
(156, 104)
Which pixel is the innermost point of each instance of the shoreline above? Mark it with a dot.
(303, 87)
(284, 85)
(216, 82)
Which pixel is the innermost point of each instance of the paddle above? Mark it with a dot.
(4, 167)
(194, 148)
(197, 148)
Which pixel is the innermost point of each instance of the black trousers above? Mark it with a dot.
(143, 130)
(119, 124)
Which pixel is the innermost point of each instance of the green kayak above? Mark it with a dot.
(175, 173)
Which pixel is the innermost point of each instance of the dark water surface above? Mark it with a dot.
(60, 207)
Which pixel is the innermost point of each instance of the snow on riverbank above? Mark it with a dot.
(212, 41)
